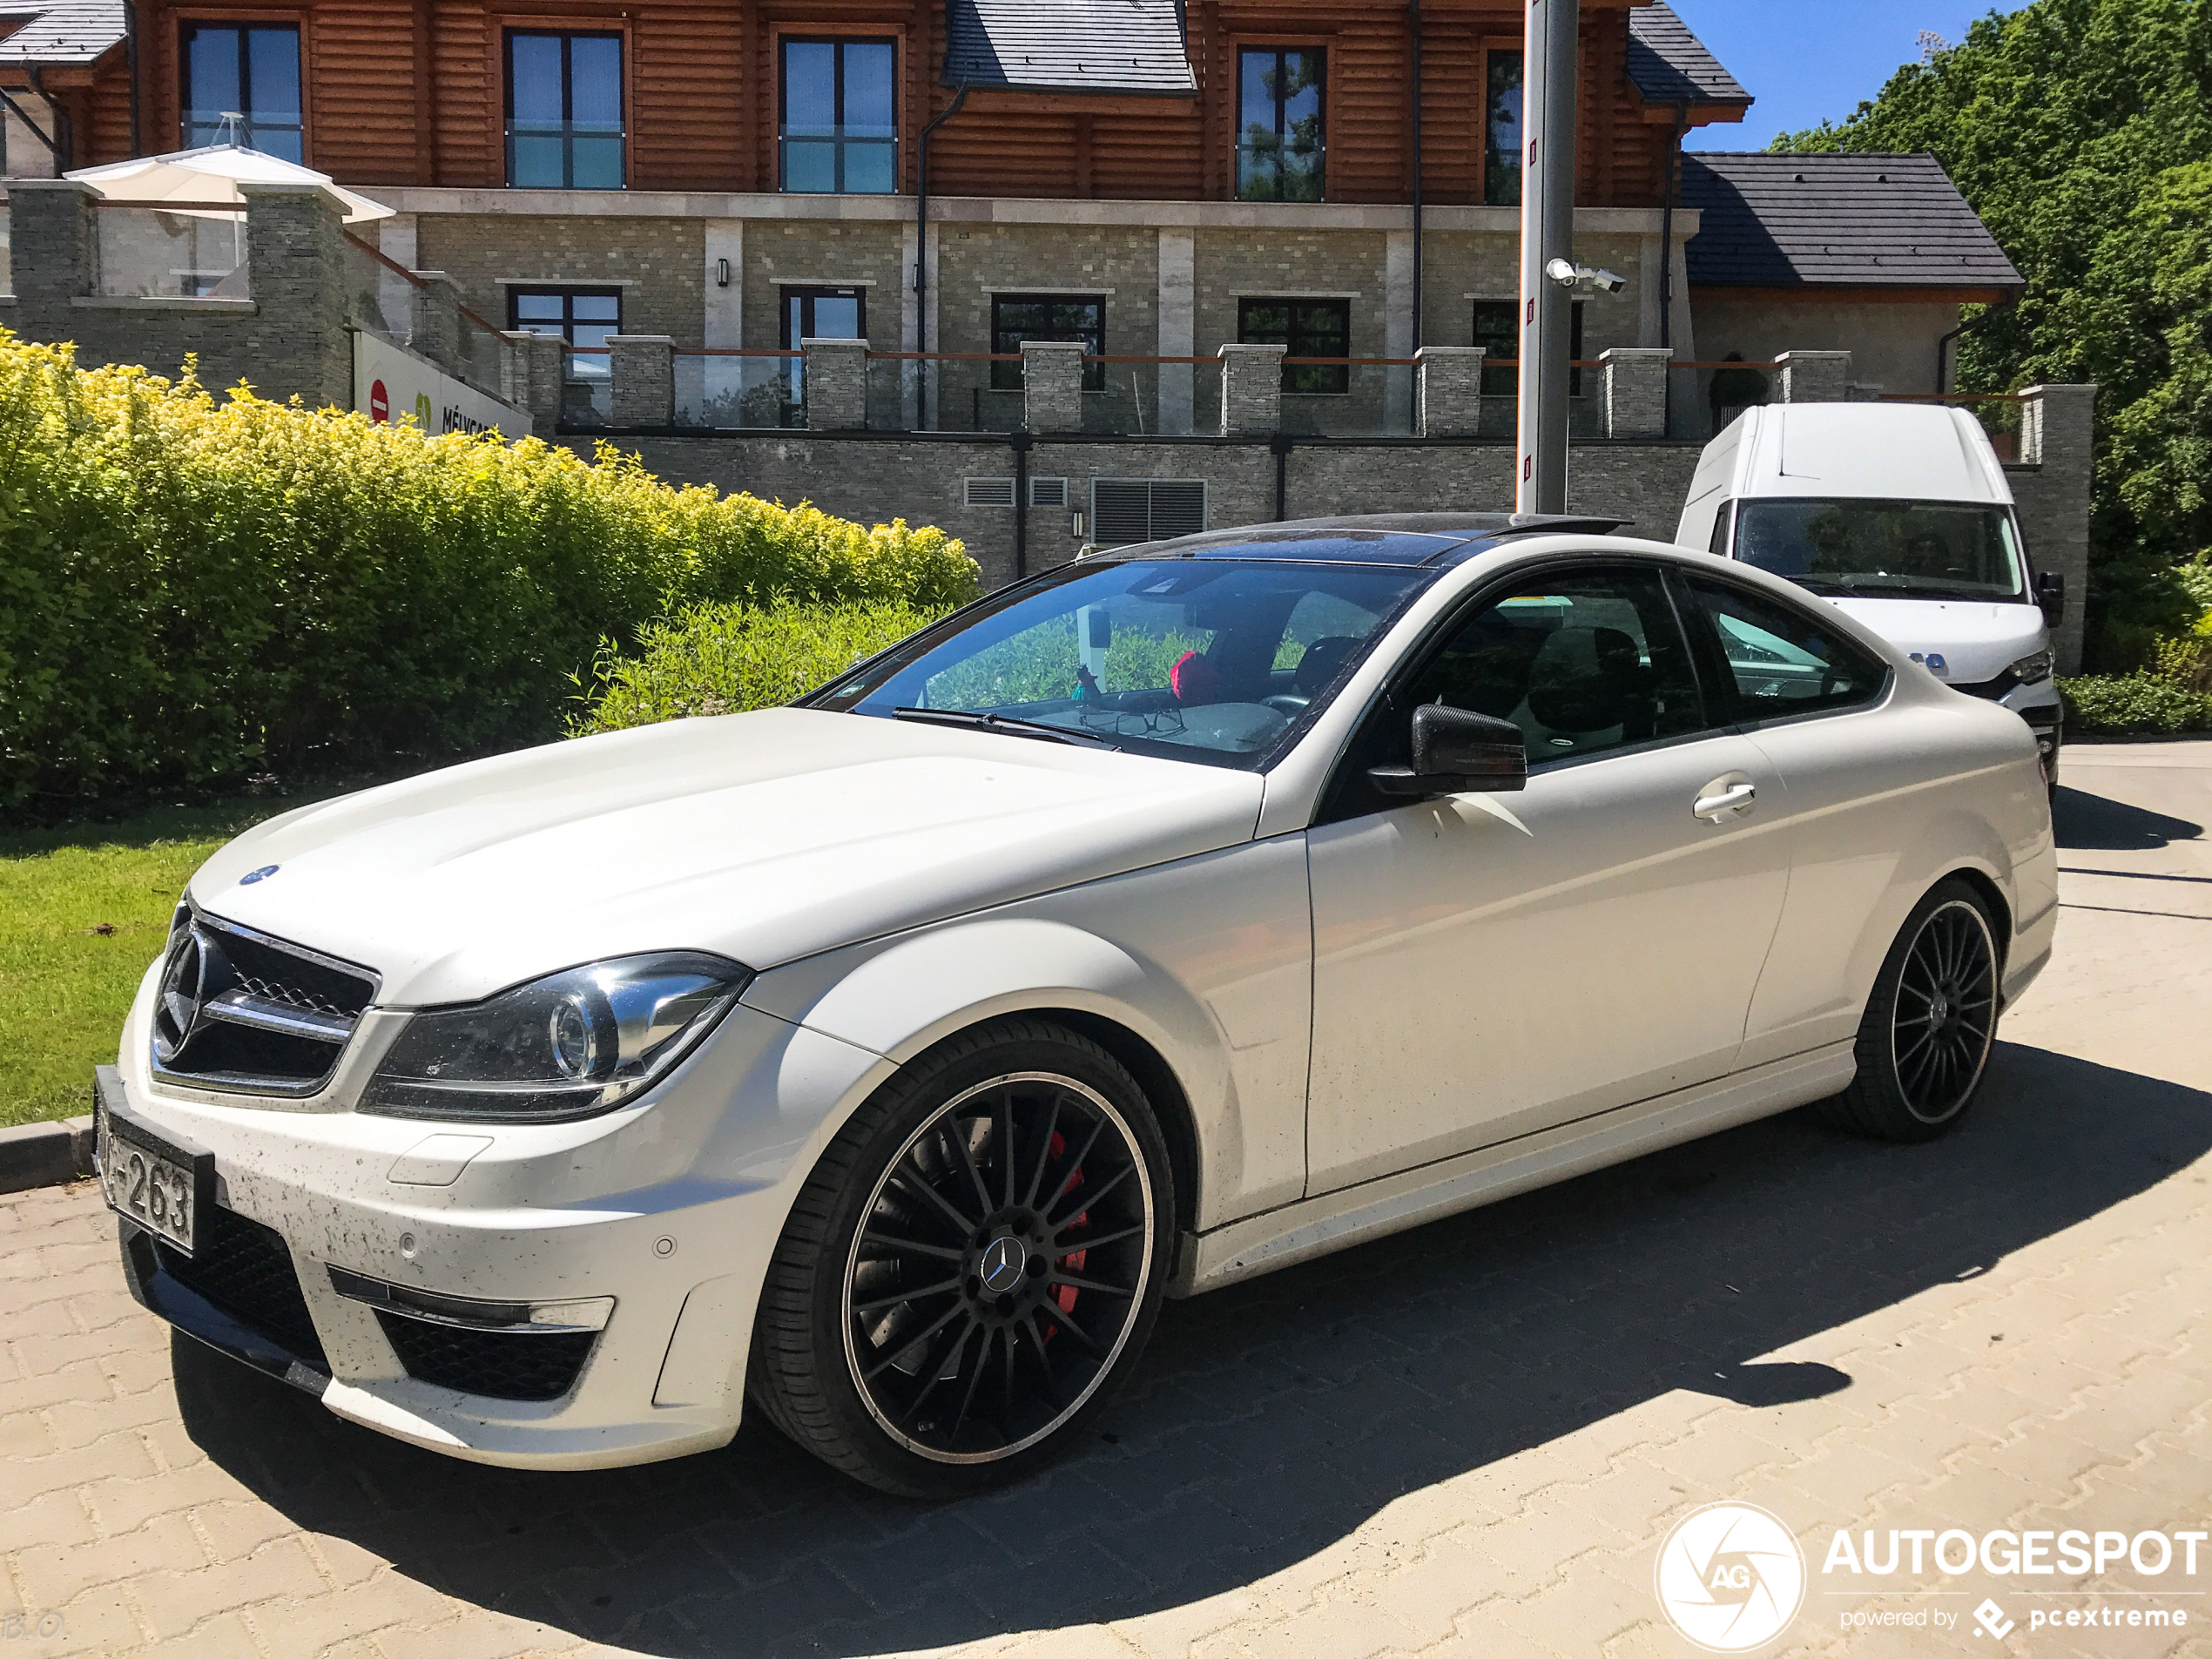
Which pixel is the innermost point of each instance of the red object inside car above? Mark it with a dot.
(1194, 679)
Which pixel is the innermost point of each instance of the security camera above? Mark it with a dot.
(1583, 278)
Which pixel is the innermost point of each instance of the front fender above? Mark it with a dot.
(1207, 960)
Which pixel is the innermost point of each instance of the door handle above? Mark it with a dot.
(1735, 798)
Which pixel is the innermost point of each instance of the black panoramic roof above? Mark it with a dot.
(1370, 538)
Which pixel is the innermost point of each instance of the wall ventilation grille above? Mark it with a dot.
(989, 492)
(1123, 510)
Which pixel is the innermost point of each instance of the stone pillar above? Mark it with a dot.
(295, 257)
(1052, 385)
(1635, 391)
(2051, 489)
(1251, 390)
(54, 228)
(836, 381)
(536, 364)
(1178, 316)
(1813, 376)
(643, 370)
(435, 331)
(1449, 383)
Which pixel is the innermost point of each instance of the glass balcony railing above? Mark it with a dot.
(564, 155)
(847, 160)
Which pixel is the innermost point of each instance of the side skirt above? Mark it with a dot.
(1391, 1204)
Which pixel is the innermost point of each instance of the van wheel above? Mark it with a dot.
(974, 1266)
(1924, 1040)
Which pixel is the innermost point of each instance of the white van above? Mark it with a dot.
(1899, 514)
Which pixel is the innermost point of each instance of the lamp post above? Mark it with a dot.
(1547, 89)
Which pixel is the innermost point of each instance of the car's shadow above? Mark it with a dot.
(2086, 823)
(1268, 1420)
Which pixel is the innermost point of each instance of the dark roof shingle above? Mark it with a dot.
(1068, 46)
(66, 31)
(1780, 221)
(1669, 64)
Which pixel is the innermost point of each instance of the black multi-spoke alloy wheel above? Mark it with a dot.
(972, 1266)
(1924, 1040)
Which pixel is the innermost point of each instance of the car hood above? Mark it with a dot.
(1976, 639)
(765, 837)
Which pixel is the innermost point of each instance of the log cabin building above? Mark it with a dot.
(1153, 176)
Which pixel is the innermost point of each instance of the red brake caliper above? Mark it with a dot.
(1065, 1294)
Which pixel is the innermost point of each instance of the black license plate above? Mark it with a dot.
(153, 1182)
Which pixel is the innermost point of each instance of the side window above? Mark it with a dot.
(1782, 660)
(1582, 662)
(1721, 517)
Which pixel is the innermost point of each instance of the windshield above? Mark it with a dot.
(1910, 548)
(1214, 661)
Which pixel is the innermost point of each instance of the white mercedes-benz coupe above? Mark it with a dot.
(1168, 918)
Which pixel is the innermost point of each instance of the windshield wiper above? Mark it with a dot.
(1013, 728)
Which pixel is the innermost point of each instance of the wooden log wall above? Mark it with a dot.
(409, 92)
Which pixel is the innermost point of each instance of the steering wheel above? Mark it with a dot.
(1290, 705)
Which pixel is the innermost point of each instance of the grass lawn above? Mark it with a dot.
(66, 983)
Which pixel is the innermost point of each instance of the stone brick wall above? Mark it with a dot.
(659, 264)
(287, 339)
(919, 478)
(2051, 492)
(1119, 263)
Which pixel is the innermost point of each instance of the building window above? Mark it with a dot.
(820, 313)
(1502, 152)
(1017, 317)
(1278, 124)
(824, 313)
(584, 317)
(563, 112)
(840, 117)
(242, 86)
(1310, 329)
(1497, 330)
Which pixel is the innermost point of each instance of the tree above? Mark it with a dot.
(2081, 131)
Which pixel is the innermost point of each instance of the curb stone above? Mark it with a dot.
(45, 1155)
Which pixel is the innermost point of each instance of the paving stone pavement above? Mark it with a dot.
(1468, 1440)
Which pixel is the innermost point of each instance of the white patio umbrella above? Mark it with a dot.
(209, 178)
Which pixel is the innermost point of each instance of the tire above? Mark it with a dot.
(1915, 1084)
(925, 1326)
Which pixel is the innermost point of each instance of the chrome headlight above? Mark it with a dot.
(571, 1044)
(2032, 668)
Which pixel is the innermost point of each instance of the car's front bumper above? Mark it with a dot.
(669, 1212)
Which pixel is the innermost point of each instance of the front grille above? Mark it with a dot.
(245, 1269)
(1993, 690)
(500, 1365)
(240, 1011)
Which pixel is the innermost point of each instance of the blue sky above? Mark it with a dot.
(1805, 61)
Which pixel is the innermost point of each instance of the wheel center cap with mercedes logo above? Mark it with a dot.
(1004, 1264)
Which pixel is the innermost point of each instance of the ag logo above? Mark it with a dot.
(1729, 1577)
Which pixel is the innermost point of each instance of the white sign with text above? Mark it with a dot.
(391, 383)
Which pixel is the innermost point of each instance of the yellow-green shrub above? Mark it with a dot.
(192, 587)
(725, 658)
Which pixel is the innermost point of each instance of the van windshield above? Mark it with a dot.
(1918, 550)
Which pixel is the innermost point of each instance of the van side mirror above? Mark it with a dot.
(1456, 752)
(2050, 593)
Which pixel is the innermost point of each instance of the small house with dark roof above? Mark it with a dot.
(1873, 255)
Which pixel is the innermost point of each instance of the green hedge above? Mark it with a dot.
(2126, 703)
(722, 658)
(193, 588)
